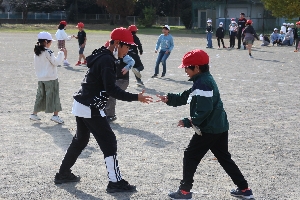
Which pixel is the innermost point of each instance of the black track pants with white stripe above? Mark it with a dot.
(103, 134)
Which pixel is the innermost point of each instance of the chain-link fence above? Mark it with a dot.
(96, 18)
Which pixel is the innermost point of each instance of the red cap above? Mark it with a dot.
(80, 25)
(195, 57)
(232, 19)
(298, 23)
(249, 21)
(63, 22)
(132, 28)
(122, 34)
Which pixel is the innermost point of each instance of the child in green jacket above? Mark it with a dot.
(209, 120)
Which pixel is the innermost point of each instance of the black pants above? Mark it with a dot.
(221, 41)
(138, 63)
(232, 40)
(297, 43)
(103, 134)
(239, 36)
(198, 147)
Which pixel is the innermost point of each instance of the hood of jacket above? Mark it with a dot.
(97, 53)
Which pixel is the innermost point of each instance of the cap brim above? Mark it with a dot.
(53, 40)
(182, 66)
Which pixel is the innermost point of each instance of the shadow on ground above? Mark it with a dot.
(152, 139)
(62, 137)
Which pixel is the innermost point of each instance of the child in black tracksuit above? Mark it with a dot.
(133, 52)
(220, 34)
(88, 107)
(209, 120)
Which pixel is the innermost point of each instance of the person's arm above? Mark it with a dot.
(130, 63)
(65, 36)
(178, 99)
(158, 43)
(55, 60)
(138, 42)
(171, 44)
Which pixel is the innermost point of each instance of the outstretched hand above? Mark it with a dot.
(162, 98)
(144, 99)
(124, 71)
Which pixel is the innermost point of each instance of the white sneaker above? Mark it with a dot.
(136, 72)
(66, 63)
(57, 119)
(34, 117)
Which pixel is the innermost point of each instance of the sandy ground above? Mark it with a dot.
(260, 95)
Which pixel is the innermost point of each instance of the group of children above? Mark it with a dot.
(288, 35)
(207, 117)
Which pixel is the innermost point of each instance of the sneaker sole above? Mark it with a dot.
(66, 181)
(57, 121)
(243, 197)
(120, 190)
(34, 119)
(137, 73)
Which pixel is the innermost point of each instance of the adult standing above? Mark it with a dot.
(242, 24)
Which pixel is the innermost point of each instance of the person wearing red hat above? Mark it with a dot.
(209, 121)
(61, 37)
(88, 107)
(297, 36)
(249, 34)
(133, 52)
(81, 36)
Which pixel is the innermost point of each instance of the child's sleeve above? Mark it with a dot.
(129, 61)
(178, 99)
(65, 36)
(171, 44)
(55, 60)
(158, 43)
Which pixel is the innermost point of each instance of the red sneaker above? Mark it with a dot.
(78, 63)
(84, 63)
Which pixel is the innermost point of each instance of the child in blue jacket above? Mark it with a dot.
(209, 120)
(165, 44)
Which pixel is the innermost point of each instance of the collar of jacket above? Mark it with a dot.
(195, 77)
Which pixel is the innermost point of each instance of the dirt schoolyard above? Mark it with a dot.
(260, 95)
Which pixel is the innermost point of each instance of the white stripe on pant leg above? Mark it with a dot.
(112, 168)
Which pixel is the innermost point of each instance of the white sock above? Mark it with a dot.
(112, 168)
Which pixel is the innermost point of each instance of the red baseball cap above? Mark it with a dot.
(195, 57)
(63, 22)
(249, 21)
(122, 34)
(132, 28)
(80, 25)
(298, 23)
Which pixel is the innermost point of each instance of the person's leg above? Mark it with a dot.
(164, 63)
(222, 41)
(220, 150)
(158, 60)
(79, 142)
(197, 148)
(107, 142)
(239, 36)
(210, 40)
(52, 96)
(110, 109)
(218, 39)
(40, 101)
(233, 41)
(297, 43)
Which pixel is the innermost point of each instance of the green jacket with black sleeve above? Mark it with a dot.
(206, 107)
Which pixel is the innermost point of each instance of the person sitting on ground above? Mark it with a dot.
(281, 35)
(275, 39)
(288, 38)
(265, 40)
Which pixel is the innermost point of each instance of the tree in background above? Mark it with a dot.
(115, 7)
(148, 17)
(186, 14)
(289, 9)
